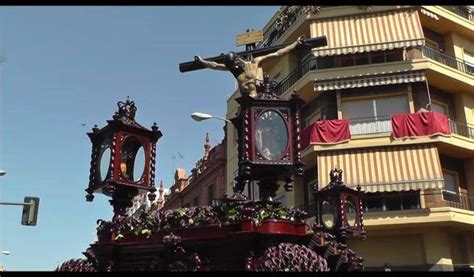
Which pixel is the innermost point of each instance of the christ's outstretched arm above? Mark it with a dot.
(211, 65)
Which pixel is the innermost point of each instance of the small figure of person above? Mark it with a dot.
(247, 73)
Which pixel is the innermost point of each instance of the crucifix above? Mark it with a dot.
(245, 65)
(267, 125)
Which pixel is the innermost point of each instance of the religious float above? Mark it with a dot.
(234, 233)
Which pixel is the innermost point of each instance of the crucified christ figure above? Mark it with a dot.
(247, 73)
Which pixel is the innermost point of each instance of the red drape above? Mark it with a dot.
(326, 132)
(419, 124)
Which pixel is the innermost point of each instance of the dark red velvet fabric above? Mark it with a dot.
(326, 132)
(410, 125)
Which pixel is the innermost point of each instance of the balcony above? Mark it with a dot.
(370, 125)
(406, 200)
(383, 124)
(448, 60)
(455, 200)
(295, 75)
(462, 129)
(461, 11)
(281, 23)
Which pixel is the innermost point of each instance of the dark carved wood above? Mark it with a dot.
(253, 166)
(115, 135)
(340, 195)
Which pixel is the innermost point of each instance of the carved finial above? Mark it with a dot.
(207, 147)
(126, 110)
(266, 83)
(335, 176)
(266, 89)
(154, 127)
(95, 129)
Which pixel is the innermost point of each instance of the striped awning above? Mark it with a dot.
(430, 14)
(385, 168)
(369, 80)
(369, 32)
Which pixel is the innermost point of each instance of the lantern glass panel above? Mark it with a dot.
(139, 164)
(104, 162)
(350, 213)
(328, 214)
(132, 162)
(271, 135)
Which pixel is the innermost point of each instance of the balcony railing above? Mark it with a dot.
(295, 75)
(461, 11)
(370, 125)
(448, 60)
(458, 201)
(277, 28)
(405, 200)
(462, 129)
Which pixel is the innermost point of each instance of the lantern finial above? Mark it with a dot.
(126, 110)
(335, 175)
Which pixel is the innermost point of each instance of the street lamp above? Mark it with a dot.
(204, 116)
(2, 172)
(5, 252)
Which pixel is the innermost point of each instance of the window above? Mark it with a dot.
(347, 60)
(410, 202)
(440, 107)
(431, 43)
(325, 62)
(312, 118)
(469, 59)
(362, 58)
(393, 56)
(377, 107)
(392, 201)
(374, 204)
(378, 57)
(211, 193)
(451, 181)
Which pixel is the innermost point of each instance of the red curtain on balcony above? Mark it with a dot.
(326, 132)
(419, 125)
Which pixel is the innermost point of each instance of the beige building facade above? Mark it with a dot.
(382, 61)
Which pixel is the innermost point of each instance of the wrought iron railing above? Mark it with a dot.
(277, 28)
(404, 200)
(370, 125)
(461, 11)
(462, 129)
(448, 60)
(458, 201)
(295, 75)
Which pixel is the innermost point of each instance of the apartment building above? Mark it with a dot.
(205, 183)
(400, 81)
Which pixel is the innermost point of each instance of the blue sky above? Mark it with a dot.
(68, 66)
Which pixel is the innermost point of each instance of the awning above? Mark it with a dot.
(430, 14)
(369, 80)
(385, 168)
(369, 32)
